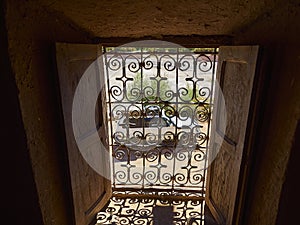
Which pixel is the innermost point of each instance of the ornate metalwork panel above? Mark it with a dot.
(159, 104)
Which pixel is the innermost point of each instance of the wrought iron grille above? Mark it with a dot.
(159, 104)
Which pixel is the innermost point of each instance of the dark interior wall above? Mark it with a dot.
(278, 33)
(19, 198)
(32, 32)
(290, 198)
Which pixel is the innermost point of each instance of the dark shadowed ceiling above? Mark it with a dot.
(137, 18)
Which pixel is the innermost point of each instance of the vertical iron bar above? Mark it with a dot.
(208, 127)
(176, 118)
(110, 117)
(143, 115)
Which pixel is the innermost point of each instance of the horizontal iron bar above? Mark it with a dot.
(159, 190)
(163, 102)
(160, 52)
(160, 197)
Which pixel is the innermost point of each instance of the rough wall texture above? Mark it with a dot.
(15, 164)
(141, 18)
(290, 198)
(278, 33)
(32, 33)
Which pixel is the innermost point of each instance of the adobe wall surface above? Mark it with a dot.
(278, 33)
(32, 33)
(141, 18)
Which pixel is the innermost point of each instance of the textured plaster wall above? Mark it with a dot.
(140, 18)
(32, 33)
(278, 33)
(18, 186)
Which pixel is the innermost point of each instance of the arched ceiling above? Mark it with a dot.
(138, 18)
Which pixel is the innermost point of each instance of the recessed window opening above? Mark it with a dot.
(159, 106)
